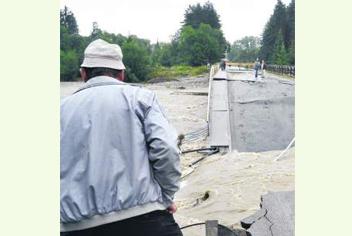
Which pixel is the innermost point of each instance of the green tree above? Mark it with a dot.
(157, 52)
(69, 65)
(109, 37)
(280, 56)
(136, 59)
(245, 49)
(291, 53)
(71, 46)
(291, 31)
(206, 14)
(202, 45)
(68, 20)
(96, 32)
(174, 49)
(167, 57)
(276, 23)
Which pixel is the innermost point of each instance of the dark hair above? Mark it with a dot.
(99, 71)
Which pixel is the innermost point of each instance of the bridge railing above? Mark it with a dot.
(282, 69)
(214, 68)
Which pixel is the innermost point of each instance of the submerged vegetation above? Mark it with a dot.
(177, 71)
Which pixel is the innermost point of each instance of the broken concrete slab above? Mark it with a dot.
(275, 218)
(247, 222)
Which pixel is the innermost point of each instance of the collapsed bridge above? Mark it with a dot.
(248, 114)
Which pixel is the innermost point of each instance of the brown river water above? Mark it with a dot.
(223, 187)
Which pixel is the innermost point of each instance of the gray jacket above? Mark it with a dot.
(119, 155)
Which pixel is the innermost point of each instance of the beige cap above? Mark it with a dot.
(100, 53)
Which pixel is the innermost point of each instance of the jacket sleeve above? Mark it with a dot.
(164, 156)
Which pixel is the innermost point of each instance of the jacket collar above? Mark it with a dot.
(102, 79)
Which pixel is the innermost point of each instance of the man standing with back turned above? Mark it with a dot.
(119, 167)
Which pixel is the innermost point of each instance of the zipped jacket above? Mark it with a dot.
(118, 155)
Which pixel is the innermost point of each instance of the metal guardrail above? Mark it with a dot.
(282, 69)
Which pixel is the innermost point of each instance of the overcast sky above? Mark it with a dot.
(159, 19)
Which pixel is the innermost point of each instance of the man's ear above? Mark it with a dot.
(83, 73)
(121, 75)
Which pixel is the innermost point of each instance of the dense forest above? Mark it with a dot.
(199, 41)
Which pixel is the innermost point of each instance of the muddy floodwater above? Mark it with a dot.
(223, 187)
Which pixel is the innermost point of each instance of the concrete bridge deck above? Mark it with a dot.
(250, 115)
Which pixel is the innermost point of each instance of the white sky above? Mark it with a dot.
(159, 19)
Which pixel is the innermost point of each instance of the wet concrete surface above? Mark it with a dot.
(262, 113)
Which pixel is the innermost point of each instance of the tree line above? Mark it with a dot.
(199, 41)
(277, 43)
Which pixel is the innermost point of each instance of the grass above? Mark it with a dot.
(177, 71)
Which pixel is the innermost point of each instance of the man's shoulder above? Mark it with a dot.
(139, 94)
(144, 95)
(64, 100)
